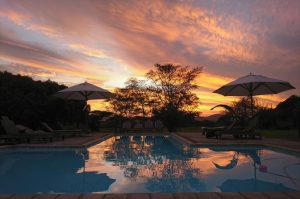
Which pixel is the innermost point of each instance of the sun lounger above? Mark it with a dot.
(228, 130)
(62, 133)
(64, 127)
(215, 131)
(249, 130)
(20, 133)
(209, 131)
(246, 132)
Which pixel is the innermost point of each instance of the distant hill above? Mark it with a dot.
(212, 118)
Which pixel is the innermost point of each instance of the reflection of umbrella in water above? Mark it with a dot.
(253, 155)
(93, 181)
(252, 185)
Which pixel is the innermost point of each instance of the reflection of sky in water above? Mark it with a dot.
(157, 164)
(147, 164)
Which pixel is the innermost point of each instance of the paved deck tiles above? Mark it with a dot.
(198, 139)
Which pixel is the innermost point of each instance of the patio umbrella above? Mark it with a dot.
(252, 85)
(84, 92)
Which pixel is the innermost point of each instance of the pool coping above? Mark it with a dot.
(177, 136)
(46, 145)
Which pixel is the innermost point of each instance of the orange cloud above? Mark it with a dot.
(23, 20)
(89, 51)
(14, 16)
(108, 42)
(47, 30)
(212, 81)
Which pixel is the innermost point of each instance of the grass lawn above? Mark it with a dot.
(192, 129)
(291, 134)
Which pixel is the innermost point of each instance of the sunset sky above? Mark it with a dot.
(107, 42)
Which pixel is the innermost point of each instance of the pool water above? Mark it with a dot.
(133, 164)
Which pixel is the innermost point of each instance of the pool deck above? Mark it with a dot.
(204, 195)
(74, 142)
(195, 139)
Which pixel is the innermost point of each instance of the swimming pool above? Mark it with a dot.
(133, 164)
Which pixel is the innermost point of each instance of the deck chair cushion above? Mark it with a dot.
(9, 126)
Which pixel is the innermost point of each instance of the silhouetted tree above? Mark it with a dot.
(296, 113)
(167, 93)
(29, 102)
(174, 85)
(242, 109)
(133, 100)
(285, 115)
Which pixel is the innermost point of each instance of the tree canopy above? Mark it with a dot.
(165, 92)
(29, 102)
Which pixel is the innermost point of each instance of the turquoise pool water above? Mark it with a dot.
(132, 164)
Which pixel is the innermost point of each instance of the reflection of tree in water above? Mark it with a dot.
(166, 165)
(175, 175)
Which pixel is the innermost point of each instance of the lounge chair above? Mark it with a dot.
(207, 130)
(249, 130)
(62, 133)
(159, 126)
(246, 132)
(64, 127)
(228, 130)
(214, 131)
(20, 133)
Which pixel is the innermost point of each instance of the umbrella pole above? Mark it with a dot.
(86, 116)
(251, 98)
(86, 113)
(254, 166)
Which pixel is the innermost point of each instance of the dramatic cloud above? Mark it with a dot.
(106, 42)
